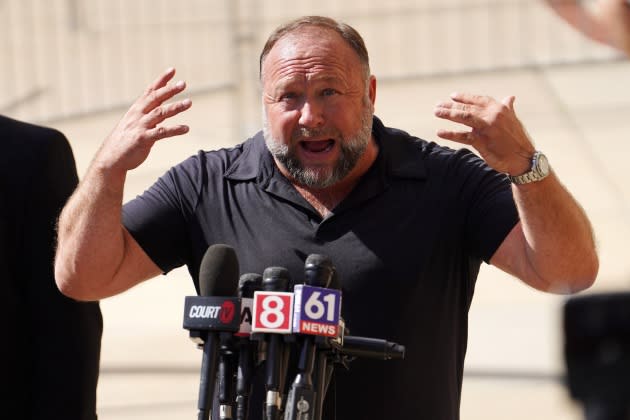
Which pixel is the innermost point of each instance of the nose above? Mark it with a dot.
(311, 114)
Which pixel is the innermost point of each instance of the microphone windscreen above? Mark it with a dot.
(218, 273)
(318, 270)
(248, 284)
(276, 279)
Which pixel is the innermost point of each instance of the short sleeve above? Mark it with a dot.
(489, 204)
(160, 219)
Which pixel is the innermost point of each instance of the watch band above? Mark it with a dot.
(539, 170)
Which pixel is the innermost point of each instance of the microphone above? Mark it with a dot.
(212, 312)
(372, 348)
(247, 285)
(239, 341)
(316, 312)
(272, 316)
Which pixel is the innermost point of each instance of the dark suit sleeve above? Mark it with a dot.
(66, 334)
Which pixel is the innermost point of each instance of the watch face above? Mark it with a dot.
(542, 164)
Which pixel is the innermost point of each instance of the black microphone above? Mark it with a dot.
(209, 313)
(372, 348)
(247, 285)
(303, 399)
(275, 279)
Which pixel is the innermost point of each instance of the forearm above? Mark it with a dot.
(96, 256)
(560, 248)
(608, 22)
(580, 19)
(615, 16)
(90, 235)
(552, 248)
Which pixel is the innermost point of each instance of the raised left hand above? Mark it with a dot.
(496, 132)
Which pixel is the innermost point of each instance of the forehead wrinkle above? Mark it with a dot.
(311, 51)
(310, 68)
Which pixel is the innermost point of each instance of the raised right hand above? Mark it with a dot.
(129, 144)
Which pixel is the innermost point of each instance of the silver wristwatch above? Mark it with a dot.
(540, 169)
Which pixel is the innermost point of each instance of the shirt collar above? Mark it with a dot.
(400, 154)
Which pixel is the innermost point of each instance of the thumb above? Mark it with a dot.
(509, 101)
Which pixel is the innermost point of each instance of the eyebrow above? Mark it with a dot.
(288, 82)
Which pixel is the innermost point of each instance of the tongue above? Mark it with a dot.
(317, 146)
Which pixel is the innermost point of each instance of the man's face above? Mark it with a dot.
(317, 106)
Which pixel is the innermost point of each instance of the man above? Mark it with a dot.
(406, 222)
(604, 21)
(50, 344)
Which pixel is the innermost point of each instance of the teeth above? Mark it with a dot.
(318, 146)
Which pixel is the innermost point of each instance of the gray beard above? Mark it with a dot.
(351, 151)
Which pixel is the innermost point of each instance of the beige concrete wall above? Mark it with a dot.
(76, 64)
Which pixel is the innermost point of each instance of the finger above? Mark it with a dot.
(457, 105)
(161, 132)
(468, 98)
(161, 113)
(157, 97)
(162, 79)
(509, 101)
(464, 137)
(463, 114)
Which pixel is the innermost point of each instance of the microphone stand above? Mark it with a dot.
(226, 376)
(244, 378)
(302, 397)
(207, 376)
(322, 375)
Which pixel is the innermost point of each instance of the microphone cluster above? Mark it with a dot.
(241, 323)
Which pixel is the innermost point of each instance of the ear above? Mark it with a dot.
(372, 89)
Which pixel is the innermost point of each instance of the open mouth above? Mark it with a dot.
(318, 146)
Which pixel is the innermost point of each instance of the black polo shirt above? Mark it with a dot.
(407, 243)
